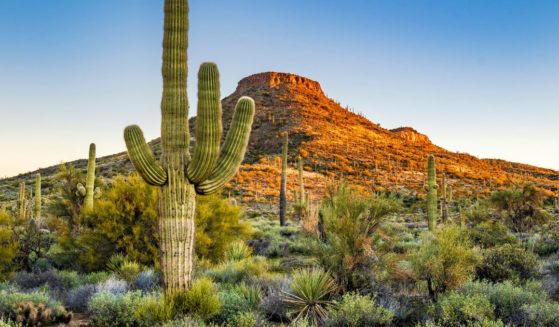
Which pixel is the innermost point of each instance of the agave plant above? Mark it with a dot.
(310, 295)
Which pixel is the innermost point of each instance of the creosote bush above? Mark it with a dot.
(354, 310)
(507, 262)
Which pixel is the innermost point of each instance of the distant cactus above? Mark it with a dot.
(431, 193)
(37, 196)
(21, 202)
(444, 203)
(283, 184)
(179, 176)
(89, 192)
(301, 184)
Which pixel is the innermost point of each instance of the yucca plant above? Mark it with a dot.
(310, 295)
(237, 251)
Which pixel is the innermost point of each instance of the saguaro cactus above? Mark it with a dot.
(283, 183)
(89, 191)
(21, 202)
(301, 184)
(444, 207)
(178, 176)
(431, 193)
(37, 196)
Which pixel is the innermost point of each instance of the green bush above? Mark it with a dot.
(237, 251)
(355, 310)
(200, 301)
(8, 244)
(456, 310)
(236, 300)
(478, 212)
(490, 233)
(218, 224)
(238, 271)
(129, 270)
(106, 309)
(518, 305)
(445, 260)
(310, 295)
(507, 262)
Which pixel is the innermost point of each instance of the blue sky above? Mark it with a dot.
(477, 76)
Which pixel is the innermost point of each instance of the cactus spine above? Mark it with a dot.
(21, 202)
(89, 191)
(283, 183)
(431, 193)
(444, 207)
(179, 176)
(37, 196)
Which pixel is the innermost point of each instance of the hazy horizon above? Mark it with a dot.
(474, 76)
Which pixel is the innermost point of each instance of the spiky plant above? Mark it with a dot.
(237, 251)
(283, 183)
(431, 193)
(38, 196)
(444, 203)
(179, 176)
(310, 295)
(21, 202)
(89, 192)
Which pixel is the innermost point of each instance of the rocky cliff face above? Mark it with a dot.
(411, 135)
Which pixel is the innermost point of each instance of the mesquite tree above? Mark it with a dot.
(179, 176)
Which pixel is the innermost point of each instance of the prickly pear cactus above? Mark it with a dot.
(179, 176)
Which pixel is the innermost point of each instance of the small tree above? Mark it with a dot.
(445, 260)
(520, 206)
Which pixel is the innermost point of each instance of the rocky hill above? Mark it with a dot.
(335, 144)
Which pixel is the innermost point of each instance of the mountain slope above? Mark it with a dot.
(335, 143)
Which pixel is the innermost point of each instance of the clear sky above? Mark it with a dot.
(477, 76)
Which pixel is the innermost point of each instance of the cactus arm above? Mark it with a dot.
(142, 158)
(208, 125)
(233, 150)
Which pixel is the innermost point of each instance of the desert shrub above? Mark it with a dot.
(237, 251)
(457, 310)
(246, 319)
(58, 282)
(236, 300)
(218, 224)
(113, 286)
(33, 308)
(520, 206)
(310, 295)
(124, 221)
(200, 301)
(8, 244)
(106, 309)
(445, 260)
(238, 271)
(348, 222)
(115, 261)
(78, 298)
(5, 322)
(548, 241)
(518, 305)
(129, 270)
(507, 262)
(490, 233)
(272, 305)
(146, 281)
(355, 310)
(184, 322)
(95, 277)
(478, 212)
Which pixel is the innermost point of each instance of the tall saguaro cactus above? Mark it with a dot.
(37, 196)
(283, 183)
(21, 202)
(301, 184)
(89, 191)
(444, 203)
(179, 176)
(431, 193)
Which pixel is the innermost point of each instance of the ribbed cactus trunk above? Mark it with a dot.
(21, 202)
(444, 204)
(179, 176)
(431, 193)
(37, 196)
(90, 181)
(283, 182)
